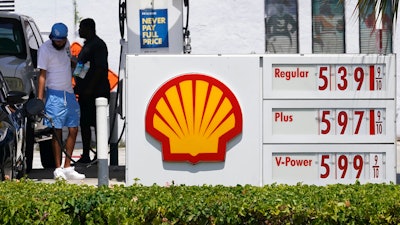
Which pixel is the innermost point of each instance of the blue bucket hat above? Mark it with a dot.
(59, 31)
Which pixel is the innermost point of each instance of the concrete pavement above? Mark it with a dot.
(116, 173)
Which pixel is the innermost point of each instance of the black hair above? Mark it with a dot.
(89, 24)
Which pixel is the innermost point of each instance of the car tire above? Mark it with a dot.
(46, 154)
(6, 173)
(20, 170)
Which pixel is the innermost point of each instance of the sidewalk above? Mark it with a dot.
(116, 173)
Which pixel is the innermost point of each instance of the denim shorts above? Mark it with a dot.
(63, 108)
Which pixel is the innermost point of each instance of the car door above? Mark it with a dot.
(34, 40)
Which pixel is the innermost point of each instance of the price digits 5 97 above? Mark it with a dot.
(352, 121)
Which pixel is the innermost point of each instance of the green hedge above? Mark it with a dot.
(29, 202)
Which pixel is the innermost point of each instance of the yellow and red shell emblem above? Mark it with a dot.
(193, 116)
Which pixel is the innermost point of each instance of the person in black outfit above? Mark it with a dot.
(95, 84)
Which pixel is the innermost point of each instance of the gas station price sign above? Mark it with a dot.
(309, 118)
(329, 118)
(329, 121)
(329, 77)
(330, 167)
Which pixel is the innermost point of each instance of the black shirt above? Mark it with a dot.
(95, 84)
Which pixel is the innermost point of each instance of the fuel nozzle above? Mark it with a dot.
(187, 48)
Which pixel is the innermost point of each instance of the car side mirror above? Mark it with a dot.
(34, 107)
(16, 97)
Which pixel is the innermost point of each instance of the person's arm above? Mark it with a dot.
(41, 84)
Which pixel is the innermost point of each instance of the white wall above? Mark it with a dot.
(226, 27)
(47, 12)
(105, 14)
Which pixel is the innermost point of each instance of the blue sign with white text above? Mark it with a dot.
(153, 28)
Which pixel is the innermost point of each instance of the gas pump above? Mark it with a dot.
(156, 27)
(153, 27)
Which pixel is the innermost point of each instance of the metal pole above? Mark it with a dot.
(113, 130)
(379, 26)
(102, 140)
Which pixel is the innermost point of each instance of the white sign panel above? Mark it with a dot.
(260, 119)
(164, 93)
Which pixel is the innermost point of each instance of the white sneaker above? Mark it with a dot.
(71, 174)
(59, 174)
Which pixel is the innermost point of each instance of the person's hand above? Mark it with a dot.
(76, 89)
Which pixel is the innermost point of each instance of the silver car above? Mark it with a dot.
(20, 39)
(19, 42)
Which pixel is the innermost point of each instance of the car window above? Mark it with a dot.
(36, 32)
(12, 38)
(32, 41)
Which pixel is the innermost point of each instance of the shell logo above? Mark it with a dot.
(193, 116)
